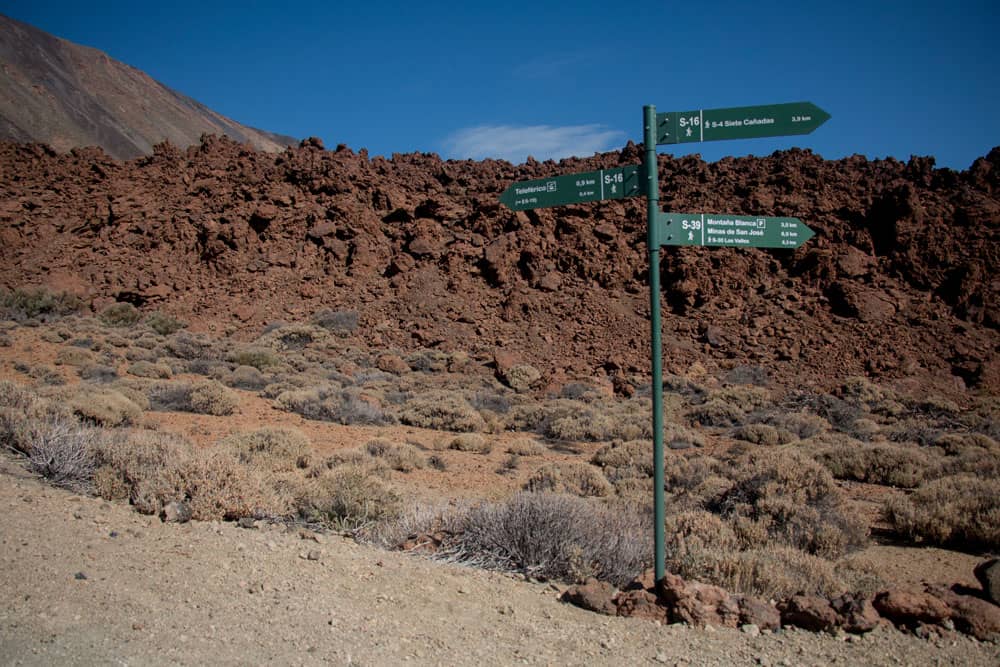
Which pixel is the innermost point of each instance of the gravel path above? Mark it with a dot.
(88, 582)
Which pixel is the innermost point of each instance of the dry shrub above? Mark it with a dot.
(961, 511)
(402, 457)
(61, 450)
(98, 373)
(120, 315)
(795, 497)
(218, 486)
(623, 459)
(572, 477)
(154, 469)
(185, 345)
(704, 547)
(340, 322)
(20, 409)
(522, 377)
(976, 461)
(762, 434)
(526, 447)
(148, 369)
(717, 413)
(293, 337)
(471, 442)
(213, 398)
(26, 303)
(142, 467)
(74, 356)
(584, 423)
(800, 424)
(955, 444)
(428, 361)
(331, 403)
(771, 572)
(879, 400)
(347, 496)
(510, 465)
(573, 420)
(554, 536)
(683, 474)
(746, 398)
(413, 521)
(247, 377)
(272, 449)
(257, 357)
(102, 406)
(886, 464)
(442, 411)
(635, 490)
(13, 395)
(164, 324)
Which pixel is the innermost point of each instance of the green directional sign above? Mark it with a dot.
(771, 120)
(615, 183)
(731, 231)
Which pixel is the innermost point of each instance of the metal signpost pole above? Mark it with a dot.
(653, 243)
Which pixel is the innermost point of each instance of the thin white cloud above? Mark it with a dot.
(515, 143)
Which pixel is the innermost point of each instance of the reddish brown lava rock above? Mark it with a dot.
(970, 614)
(696, 603)
(856, 613)
(909, 608)
(594, 595)
(757, 612)
(988, 574)
(641, 604)
(809, 612)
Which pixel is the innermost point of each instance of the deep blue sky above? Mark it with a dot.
(484, 79)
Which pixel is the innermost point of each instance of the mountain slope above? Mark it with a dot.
(66, 95)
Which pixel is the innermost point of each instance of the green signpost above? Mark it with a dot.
(771, 120)
(733, 231)
(616, 183)
(677, 229)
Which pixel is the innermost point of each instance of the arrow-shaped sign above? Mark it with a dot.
(732, 231)
(616, 183)
(772, 120)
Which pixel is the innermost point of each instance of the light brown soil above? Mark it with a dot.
(203, 593)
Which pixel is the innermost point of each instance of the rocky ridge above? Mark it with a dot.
(899, 282)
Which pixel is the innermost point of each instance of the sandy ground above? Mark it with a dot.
(88, 582)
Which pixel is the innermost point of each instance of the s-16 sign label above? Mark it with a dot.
(733, 231)
(615, 183)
